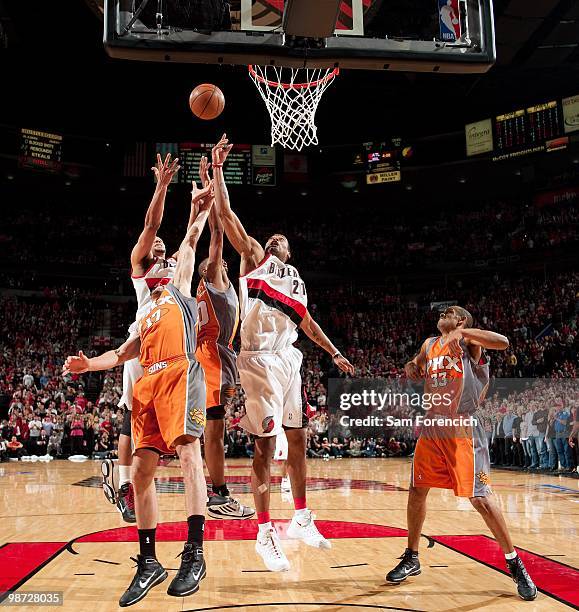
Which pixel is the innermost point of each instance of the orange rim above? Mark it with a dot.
(335, 72)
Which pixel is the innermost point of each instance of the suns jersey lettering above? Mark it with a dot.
(160, 271)
(461, 378)
(218, 314)
(273, 303)
(168, 330)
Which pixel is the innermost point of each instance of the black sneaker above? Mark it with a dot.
(409, 566)
(190, 574)
(525, 586)
(220, 507)
(126, 503)
(149, 573)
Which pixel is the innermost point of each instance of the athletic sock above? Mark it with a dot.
(300, 503)
(196, 526)
(263, 527)
(263, 517)
(220, 490)
(510, 556)
(124, 474)
(147, 542)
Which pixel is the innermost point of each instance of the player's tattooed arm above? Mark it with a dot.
(250, 250)
(315, 333)
(78, 364)
(164, 173)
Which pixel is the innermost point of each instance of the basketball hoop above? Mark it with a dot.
(291, 96)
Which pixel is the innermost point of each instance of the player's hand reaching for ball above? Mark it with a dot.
(204, 166)
(202, 198)
(75, 364)
(220, 151)
(343, 364)
(165, 170)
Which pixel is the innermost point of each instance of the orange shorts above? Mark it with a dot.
(168, 402)
(461, 464)
(218, 363)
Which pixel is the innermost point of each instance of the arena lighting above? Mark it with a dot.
(576, 161)
(10, 177)
(462, 180)
(68, 183)
(408, 187)
(122, 188)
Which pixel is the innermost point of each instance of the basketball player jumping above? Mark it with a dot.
(273, 305)
(149, 267)
(456, 457)
(168, 413)
(217, 325)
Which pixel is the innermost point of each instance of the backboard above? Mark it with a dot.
(414, 36)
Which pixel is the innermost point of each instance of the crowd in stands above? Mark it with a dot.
(405, 238)
(378, 329)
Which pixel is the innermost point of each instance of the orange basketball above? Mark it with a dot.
(207, 101)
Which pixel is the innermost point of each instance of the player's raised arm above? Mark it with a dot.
(249, 249)
(78, 364)
(164, 172)
(314, 332)
(202, 202)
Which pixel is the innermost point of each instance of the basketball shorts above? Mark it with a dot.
(132, 371)
(168, 402)
(126, 426)
(218, 363)
(281, 447)
(458, 463)
(273, 390)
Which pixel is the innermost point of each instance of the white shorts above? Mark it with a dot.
(132, 371)
(281, 447)
(273, 387)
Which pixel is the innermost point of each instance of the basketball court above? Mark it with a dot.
(59, 534)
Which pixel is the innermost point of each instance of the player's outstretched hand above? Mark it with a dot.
(413, 372)
(165, 170)
(204, 166)
(344, 364)
(75, 364)
(203, 198)
(221, 150)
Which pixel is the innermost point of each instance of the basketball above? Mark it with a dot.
(207, 101)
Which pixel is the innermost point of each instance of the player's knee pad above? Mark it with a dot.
(216, 413)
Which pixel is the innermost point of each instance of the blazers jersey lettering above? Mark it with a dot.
(168, 331)
(273, 301)
(218, 314)
(465, 380)
(160, 271)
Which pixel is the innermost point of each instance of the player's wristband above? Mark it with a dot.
(338, 354)
(217, 165)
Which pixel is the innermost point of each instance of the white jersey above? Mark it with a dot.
(273, 303)
(161, 271)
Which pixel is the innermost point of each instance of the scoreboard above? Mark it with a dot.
(237, 170)
(528, 127)
(40, 150)
(526, 130)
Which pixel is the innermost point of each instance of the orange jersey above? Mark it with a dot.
(168, 331)
(218, 314)
(464, 380)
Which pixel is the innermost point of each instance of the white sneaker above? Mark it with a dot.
(285, 485)
(304, 528)
(269, 547)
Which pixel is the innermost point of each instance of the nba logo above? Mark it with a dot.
(448, 14)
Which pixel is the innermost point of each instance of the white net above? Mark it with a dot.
(292, 96)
